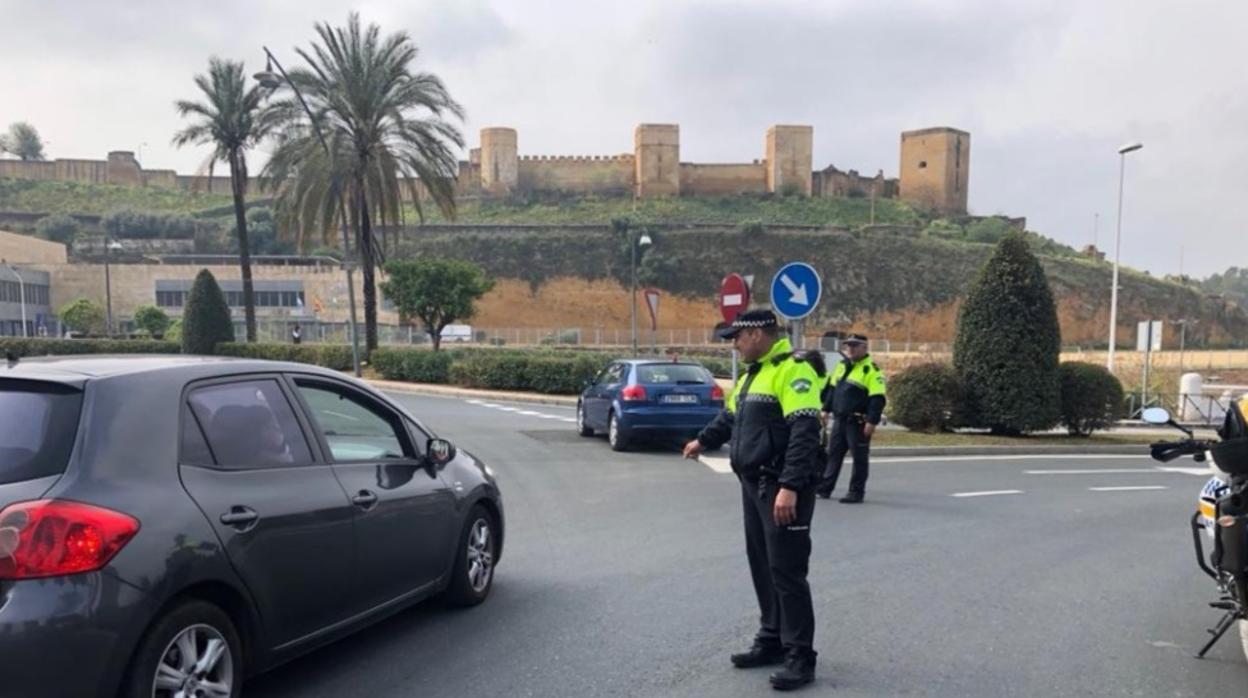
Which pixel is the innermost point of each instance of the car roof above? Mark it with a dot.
(641, 361)
(75, 370)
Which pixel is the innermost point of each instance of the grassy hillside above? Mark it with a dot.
(731, 210)
(874, 276)
(101, 199)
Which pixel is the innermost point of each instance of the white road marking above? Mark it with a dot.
(1139, 488)
(986, 494)
(1042, 456)
(1203, 472)
(717, 463)
(1091, 471)
(520, 411)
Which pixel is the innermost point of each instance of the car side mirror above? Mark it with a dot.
(440, 452)
(1156, 415)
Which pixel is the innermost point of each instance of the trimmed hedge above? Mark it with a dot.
(336, 357)
(1092, 397)
(558, 373)
(417, 366)
(41, 346)
(926, 397)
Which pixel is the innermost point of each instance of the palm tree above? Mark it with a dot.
(388, 138)
(232, 120)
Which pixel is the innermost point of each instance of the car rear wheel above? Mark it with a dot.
(582, 427)
(616, 436)
(193, 650)
(473, 574)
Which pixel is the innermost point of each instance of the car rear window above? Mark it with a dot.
(672, 373)
(38, 422)
(248, 424)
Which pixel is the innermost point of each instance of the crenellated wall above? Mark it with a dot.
(581, 174)
(935, 164)
(723, 179)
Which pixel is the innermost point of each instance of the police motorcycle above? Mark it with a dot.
(1222, 516)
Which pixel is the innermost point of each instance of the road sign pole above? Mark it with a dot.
(734, 367)
(1148, 359)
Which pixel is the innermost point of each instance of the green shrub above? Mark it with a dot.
(206, 321)
(336, 357)
(1092, 397)
(19, 346)
(132, 224)
(152, 319)
(58, 227)
(752, 229)
(174, 332)
(924, 397)
(83, 315)
(1008, 342)
(415, 365)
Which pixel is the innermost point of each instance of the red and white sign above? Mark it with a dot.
(734, 296)
(652, 302)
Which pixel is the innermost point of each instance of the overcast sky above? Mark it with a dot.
(1047, 89)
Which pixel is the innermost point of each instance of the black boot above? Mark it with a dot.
(798, 670)
(824, 494)
(762, 653)
(852, 498)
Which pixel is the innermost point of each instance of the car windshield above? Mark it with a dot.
(38, 422)
(652, 374)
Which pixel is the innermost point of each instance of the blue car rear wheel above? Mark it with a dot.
(616, 435)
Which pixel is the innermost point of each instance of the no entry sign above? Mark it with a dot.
(734, 296)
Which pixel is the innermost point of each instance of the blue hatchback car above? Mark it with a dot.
(636, 398)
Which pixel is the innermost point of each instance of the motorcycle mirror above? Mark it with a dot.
(1156, 415)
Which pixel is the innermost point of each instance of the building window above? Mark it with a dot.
(922, 164)
(11, 292)
(285, 295)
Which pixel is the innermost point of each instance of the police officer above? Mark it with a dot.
(772, 421)
(855, 403)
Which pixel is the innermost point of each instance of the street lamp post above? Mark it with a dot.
(1113, 296)
(109, 246)
(268, 79)
(635, 243)
(21, 292)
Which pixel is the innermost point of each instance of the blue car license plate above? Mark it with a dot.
(680, 399)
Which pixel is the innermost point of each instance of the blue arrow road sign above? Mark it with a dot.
(795, 290)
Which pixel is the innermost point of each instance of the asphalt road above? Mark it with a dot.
(625, 575)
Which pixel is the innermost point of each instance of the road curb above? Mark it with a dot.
(469, 393)
(957, 451)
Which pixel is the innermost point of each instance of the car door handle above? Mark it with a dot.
(241, 518)
(365, 499)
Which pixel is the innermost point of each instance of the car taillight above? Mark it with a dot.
(717, 393)
(53, 538)
(633, 393)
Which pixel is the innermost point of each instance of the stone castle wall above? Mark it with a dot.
(934, 170)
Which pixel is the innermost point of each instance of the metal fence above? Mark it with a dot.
(1205, 409)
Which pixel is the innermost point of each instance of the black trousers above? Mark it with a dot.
(779, 560)
(847, 436)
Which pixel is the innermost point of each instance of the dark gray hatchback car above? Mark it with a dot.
(169, 525)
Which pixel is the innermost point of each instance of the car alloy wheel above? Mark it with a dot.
(196, 664)
(581, 427)
(615, 434)
(480, 555)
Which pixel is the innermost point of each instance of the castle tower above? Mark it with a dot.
(789, 158)
(935, 167)
(500, 163)
(123, 169)
(657, 160)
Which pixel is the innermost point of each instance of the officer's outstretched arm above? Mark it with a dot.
(718, 432)
(799, 400)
